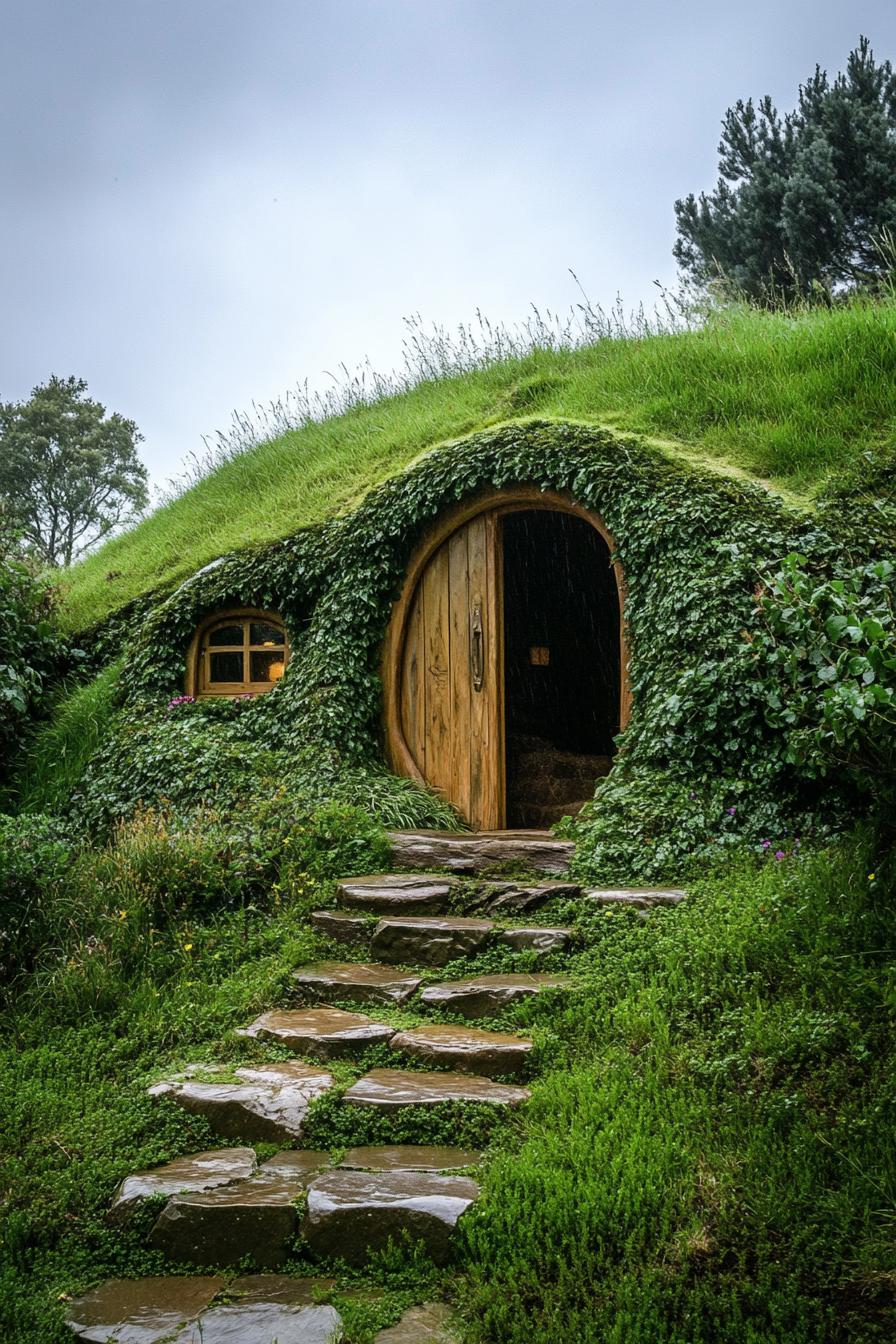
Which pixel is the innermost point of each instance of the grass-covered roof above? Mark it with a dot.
(781, 399)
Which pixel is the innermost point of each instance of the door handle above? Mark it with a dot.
(477, 652)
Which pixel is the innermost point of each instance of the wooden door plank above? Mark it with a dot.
(461, 691)
(413, 696)
(436, 680)
(486, 769)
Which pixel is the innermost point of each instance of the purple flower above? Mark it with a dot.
(779, 854)
(731, 811)
(766, 844)
(180, 700)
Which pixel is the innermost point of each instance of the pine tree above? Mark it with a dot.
(804, 200)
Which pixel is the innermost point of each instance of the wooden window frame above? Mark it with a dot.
(197, 683)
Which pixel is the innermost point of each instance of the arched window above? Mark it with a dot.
(241, 652)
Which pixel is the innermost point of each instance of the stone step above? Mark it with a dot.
(430, 1323)
(197, 1173)
(536, 939)
(255, 1219)
(639, 898)
(427, 939)
(409, 1157)
(490, 1053)
(355, 982)
(353, 1214)
(488, 995)
(398, 893)
(479, 851)
(257, 1309)
(517, 899)
(327, 1032)
(265, 1103)
(393, 1089)
(341, 927)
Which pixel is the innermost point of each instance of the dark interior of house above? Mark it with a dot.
(561, 664)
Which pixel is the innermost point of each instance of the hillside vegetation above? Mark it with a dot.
(784, 399)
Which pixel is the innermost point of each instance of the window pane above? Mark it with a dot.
(225, 667)
(226, 634)
(262, 633)
(266, 666)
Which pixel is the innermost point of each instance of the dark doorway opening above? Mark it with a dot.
(561, 664)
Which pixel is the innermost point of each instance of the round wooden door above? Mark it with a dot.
(450, 671)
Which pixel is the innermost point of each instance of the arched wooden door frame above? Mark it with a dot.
(515, 499)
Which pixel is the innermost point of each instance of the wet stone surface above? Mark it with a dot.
(201, 1171)
(536, 939)
(487, 995)
(265, 1323)
(390, 1089)
(267, 1103)
(465, 852)
(299, 1165)
(255, 1218)
(398, 893)
(409, 1157)
(342, 928)
(434, 942)
(140, 1311)
(328, 1032)
(642, 898)
(358, 982)
(490, 1053)
(426, 1324)
(353, 1213)
(520, 899)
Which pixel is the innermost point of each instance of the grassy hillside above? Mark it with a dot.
(707, 1155)
(782, 399)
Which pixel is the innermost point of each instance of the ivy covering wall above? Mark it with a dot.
(700, 766)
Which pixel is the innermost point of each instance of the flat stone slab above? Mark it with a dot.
(295, 1164)
(488, 995)
(140, 1311)
(267, 1103)
(435, 942)
(477, 852)
(426, 1324)
(329, 1032)
(535, 939)
(391, 1089)
(518, 899)
(201, 1171)
(641, 898)
(352, 1214)
(288, 1319)
(409, 1157)
(357, 982)
(342, 928)
(255, 1218)
(491, 1053)
(398, 893)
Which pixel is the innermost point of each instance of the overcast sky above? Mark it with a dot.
(206, 201)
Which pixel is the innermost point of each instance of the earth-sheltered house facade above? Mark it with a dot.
(541, 621)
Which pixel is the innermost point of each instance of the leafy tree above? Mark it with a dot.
(31, 650)
(69, 472)
(804, 200)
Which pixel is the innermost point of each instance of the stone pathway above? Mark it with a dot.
(226, 1207)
